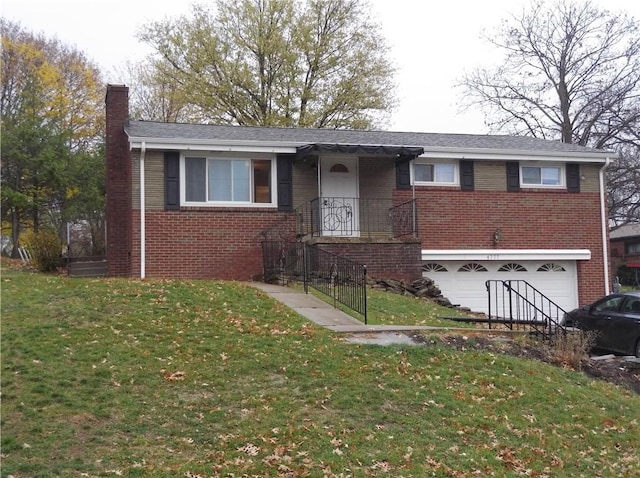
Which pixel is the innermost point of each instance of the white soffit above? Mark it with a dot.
(208, 145)
(508, 155)
(504, 254)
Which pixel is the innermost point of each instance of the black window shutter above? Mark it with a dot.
(403, 175)
(172, 180)
(285, 182)
(573, 177)
(513, 176)
(466, 175)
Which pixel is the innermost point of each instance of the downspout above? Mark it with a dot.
(414, 212)
(604, 225)
(143, 234)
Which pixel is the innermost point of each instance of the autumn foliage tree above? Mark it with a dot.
(571, 72)
(52, 115)
(321, 63)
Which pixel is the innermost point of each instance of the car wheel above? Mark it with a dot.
(638, 348)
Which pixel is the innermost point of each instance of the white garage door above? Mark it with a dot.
(463, 282)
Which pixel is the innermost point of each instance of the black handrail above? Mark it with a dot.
(516, 303)
(341, 279)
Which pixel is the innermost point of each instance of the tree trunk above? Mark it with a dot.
(15, 232)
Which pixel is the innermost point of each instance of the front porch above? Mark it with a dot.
(349, 217)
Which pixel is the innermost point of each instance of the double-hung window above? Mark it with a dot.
(228, 181)
(435, 173)
(542, 176)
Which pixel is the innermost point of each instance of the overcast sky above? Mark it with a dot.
(433, 43)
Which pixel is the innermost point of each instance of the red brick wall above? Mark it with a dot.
(452, 219)
(388, 260)
(617, 251)
(118, 159)
(206, 243)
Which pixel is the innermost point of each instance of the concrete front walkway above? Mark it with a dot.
(324, 314)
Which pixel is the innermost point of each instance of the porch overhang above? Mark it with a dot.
(400, 152)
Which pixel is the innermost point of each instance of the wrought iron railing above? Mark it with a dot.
(339, 278)
(404, 219)
(283, 261)
(355, 217)
(519, 305)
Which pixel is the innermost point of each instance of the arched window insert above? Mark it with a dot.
(339, 168)
(512, 267)
(473, 267)
(434, 267)
(551, 267)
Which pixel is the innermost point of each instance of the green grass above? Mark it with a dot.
(389, 308)
(199, 378)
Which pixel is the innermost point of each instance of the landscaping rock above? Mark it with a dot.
(631, 362)
(603, 357)
(423, 288)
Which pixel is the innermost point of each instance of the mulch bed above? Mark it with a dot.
(613, 371)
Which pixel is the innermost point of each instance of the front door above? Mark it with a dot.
(339, 197)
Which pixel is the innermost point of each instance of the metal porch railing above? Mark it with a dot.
(341, 279)
(356, 217)
(519, 305)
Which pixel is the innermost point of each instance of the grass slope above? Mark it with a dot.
(199, 378)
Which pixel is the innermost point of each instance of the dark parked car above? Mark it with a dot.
(615, 319)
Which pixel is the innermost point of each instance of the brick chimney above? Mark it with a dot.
(119, 187)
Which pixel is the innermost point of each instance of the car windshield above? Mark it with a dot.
(632, 306)
(609, 304)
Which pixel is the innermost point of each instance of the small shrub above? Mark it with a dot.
(568, 349)
(627, 276)
(45, 248)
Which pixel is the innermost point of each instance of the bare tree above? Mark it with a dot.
(155, 96)
(571, 72)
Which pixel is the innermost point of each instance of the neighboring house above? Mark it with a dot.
(197, 201)
(625, 248)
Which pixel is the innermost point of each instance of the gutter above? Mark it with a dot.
(143, 234)
(444, 152)
(604, 225)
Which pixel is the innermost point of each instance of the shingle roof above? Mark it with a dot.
(300, 136)
(629, 230)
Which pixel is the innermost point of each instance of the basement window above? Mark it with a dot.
(228, 181)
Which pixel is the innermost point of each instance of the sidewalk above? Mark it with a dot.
(324, 314)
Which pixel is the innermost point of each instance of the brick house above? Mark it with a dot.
(196, 201)
(625, 249)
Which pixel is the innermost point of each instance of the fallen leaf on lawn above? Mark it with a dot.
(172, 377)
(381, 465)
(250, 449)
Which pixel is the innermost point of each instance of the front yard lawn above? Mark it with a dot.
(113, 377)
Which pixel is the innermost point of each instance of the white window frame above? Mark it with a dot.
(435, 163)
(228, 157)
(560, 167)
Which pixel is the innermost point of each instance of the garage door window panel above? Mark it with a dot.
(434, 267)
(473, 267)
(512, 267)
(551, 267)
